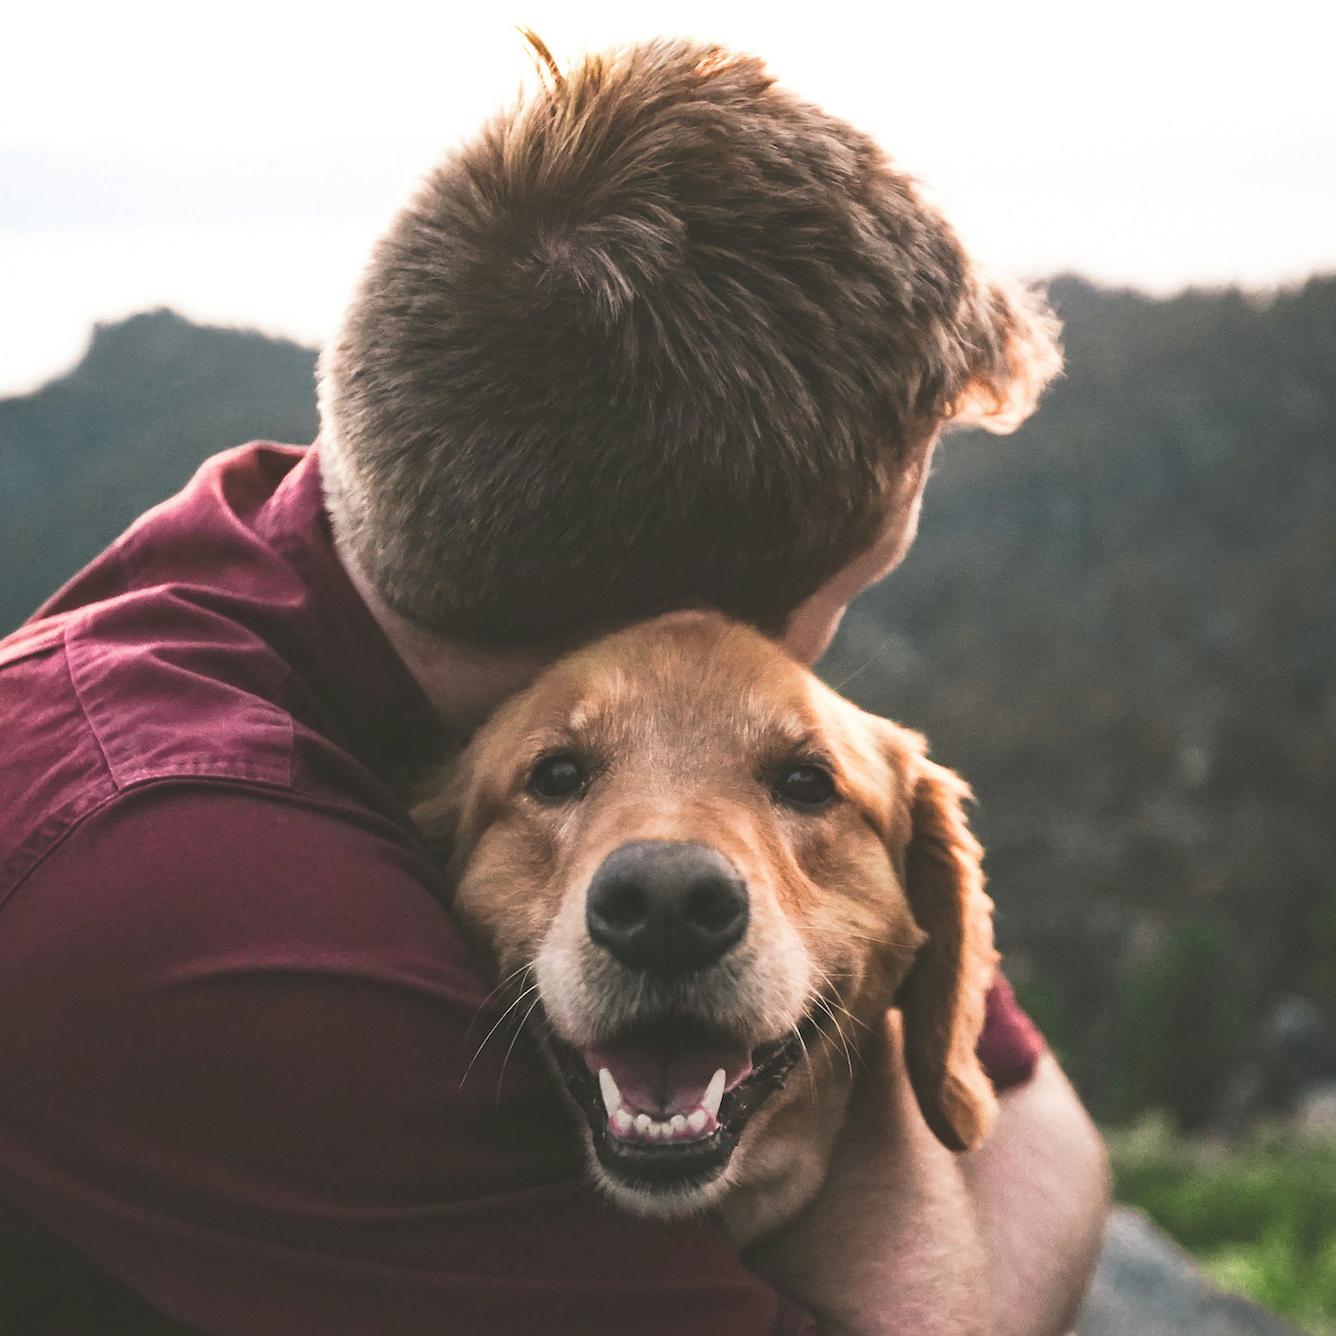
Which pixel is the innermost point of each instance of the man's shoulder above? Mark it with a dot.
(218, 641)
(111, 697)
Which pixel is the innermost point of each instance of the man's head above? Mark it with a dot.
(661, 336)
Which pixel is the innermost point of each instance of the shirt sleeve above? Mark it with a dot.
(1010, 1045)
(244, 1072)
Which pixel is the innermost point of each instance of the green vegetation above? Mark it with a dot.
(1260, 1217)
(1183, 1024)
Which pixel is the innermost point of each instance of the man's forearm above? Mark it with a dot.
(907, 1239)
(1040, 1187)
(913, 1245)
(893, 1245)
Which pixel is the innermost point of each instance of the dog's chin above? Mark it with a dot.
(662, 1137)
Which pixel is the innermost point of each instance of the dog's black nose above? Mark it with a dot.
(666, 907)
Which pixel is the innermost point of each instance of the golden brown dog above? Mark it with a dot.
(714, 870)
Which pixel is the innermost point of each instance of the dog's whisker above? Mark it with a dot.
(519, 1029)
(512, 980)
(839, 1031)
(826, 1007)
(838, 999)
(516, 973)
(862, 668)
(807, 1059)
(862, 1024)
(532, 988)
(878, 940)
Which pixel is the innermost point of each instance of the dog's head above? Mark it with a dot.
(714, 868)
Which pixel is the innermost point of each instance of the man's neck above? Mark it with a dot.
(464, 682)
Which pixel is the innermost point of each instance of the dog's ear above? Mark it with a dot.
(436, 805)
(944, 996)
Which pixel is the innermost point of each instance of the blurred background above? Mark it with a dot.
(1119, 624)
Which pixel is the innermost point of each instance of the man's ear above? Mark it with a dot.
(944, 996)
(1012, 337)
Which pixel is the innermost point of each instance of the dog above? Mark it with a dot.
(716, 873)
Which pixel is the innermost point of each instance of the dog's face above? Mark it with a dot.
(713, 868)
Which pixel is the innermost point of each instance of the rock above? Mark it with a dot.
(1315, 1110)
(1146, 1285)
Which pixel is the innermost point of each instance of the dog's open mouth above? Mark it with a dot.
(666, 1101)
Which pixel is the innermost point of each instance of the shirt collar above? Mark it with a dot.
(375, 702)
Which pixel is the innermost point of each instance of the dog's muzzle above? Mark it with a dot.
(667, 1097)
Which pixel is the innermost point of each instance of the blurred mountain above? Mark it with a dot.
(153, 395)
(1119, 624)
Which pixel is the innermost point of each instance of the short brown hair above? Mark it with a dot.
(661, 335)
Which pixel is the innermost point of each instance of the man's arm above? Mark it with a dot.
(236, 1029)
(1040, 1187)
(907, 1239)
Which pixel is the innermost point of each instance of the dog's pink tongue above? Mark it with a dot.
(662, 1081)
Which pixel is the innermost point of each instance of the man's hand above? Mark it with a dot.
(907, 1239)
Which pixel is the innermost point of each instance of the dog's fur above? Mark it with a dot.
(875, 898)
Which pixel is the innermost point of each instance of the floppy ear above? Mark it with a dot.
(436, 805)
(944, 995)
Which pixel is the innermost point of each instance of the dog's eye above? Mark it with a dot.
(806, 786)
(559, 776)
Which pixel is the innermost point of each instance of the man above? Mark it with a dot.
(661, 336)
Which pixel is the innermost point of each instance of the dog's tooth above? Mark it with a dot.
(696, 1122)
(642, 1123)
(622, 1122)
(612, 1097)
(714, 1093)
(676, 1123)
(655, 1129)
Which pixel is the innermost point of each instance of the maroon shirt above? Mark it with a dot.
(234, 1012)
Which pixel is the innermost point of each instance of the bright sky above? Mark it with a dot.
(235, 161)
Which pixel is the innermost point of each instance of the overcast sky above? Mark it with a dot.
(236, 161)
